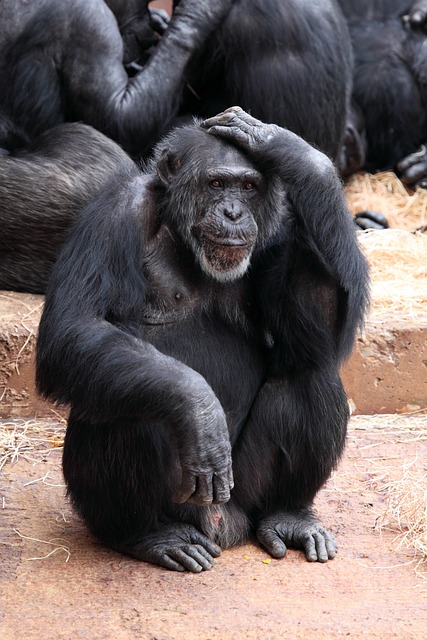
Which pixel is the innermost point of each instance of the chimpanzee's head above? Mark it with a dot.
(215, 199)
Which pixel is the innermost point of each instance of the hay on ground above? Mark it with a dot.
(404, 485)
(398, 261)
(30, 439)
(407, 508)
(384, 192)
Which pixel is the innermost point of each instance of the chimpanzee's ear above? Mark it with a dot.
(167, 166)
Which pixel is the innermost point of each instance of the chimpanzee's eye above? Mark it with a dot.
(248, 186)
(216, 184)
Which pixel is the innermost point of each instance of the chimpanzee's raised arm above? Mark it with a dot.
(134, 111)
(325, 227)
(65, 61)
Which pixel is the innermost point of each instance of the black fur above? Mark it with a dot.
(173, 368)
(65, 61)
(284, 62)
(390, 88)
(12, 137)
(43, 187)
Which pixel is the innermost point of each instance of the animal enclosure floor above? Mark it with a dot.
(57, 582)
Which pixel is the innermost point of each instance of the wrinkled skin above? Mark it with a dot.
(177, 547)
(282, 530)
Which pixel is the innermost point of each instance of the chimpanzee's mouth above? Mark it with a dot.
(229, 243)
(226, 256)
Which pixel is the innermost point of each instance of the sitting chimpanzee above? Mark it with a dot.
(388, 123)
(42, 189)
(64, 61)
(195, 322)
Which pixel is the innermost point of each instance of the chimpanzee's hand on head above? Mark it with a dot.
(239, 127)
(286, 153)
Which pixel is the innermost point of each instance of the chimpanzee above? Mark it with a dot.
(195, 322)
(64, 61)
(42, 189)
(288, 63)
(388, 123)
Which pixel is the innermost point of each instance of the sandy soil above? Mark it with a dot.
(373, 589)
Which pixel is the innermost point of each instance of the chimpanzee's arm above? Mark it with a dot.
(133, 111)
(322, 234)
(64, 60)
(90, 353)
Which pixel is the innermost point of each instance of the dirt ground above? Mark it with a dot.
(57, 582)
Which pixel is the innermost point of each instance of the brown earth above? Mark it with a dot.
(56, 582)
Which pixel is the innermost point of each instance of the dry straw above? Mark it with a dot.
(398, 256)
(402, 483)
(30, 439)
(407, 507)
(384, 192)
(398, 261)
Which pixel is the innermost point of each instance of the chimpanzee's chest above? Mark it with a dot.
(175, 288)
(232, 361)
(178, 289)
(207, 325)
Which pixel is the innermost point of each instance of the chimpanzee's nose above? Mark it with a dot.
(233, 212)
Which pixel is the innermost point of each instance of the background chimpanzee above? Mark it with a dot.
(195, 322)
(65, 61)
(42, 189)
(388, 123)
(285, 62)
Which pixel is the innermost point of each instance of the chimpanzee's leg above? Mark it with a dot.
(292, 441)
(120, 478)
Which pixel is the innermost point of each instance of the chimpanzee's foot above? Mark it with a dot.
(179, 547)
(298, 529)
